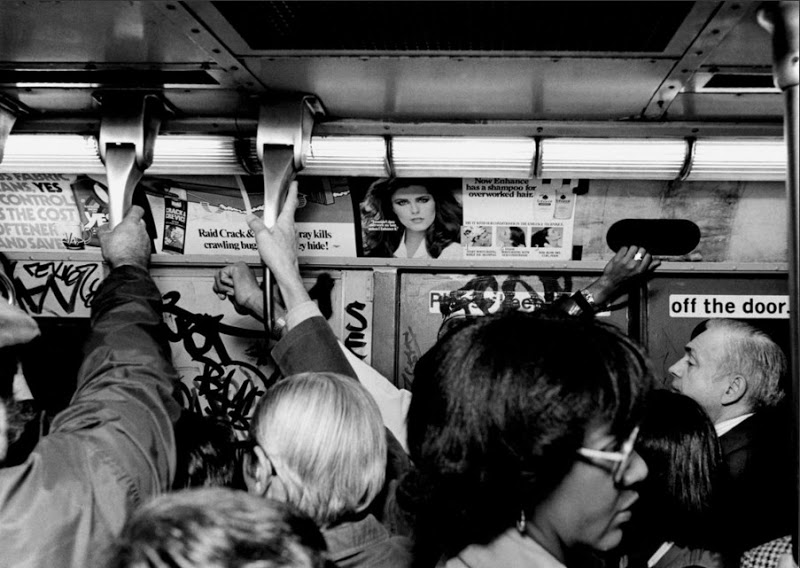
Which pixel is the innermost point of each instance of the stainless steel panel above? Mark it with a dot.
(469, 88)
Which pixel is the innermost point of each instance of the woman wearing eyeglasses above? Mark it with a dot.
(523, 429)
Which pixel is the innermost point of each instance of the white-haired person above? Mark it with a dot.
(217, 528)
(320, 446)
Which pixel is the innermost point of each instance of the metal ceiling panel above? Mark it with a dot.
(745, 45)
(468, 88)
(91, 32)
(389, 61)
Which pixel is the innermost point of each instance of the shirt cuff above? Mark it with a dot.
(302, 312)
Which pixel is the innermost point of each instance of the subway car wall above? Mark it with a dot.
(518, 244)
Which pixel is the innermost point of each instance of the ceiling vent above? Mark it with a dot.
(436, 26)
(736, 83)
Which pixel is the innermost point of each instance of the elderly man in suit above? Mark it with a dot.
(733, 370)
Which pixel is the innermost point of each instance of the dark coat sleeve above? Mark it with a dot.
(311, 346)
(110, 449)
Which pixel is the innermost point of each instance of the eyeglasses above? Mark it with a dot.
(622, 459)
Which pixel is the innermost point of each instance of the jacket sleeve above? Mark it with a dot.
(311, 346)
(111, 448)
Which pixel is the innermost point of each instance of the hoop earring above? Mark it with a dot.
(521, 523)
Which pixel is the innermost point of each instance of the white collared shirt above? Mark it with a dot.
(451, 251)
(402, 251)
(728, 425)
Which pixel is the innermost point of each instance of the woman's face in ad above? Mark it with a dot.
(415, 207)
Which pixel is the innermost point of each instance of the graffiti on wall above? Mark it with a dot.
(63, 288)
(225, 388)
(481, 295)
(356, 338)
(484, 295)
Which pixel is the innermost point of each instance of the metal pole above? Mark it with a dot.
(781, 20)
(790, 122)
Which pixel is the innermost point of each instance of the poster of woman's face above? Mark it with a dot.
(411, 218)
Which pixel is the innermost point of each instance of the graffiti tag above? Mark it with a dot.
(226, 389)
(58, 288)
(356, 338)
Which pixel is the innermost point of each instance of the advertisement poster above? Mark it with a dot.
(421, 218)
(471, 218)
(410, 217)
(200, 215)
(174, 224)
(215, 210)
(518, 218)
(38, 213)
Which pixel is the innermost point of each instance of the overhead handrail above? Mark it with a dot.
(283, 138)
(128, 133)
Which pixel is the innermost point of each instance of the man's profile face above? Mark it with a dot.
(699, 373)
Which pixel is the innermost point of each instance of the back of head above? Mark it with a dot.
(324, 434)
(678, 442)
(501, 406)
(753, 354)
(206, 452)
(217, 528)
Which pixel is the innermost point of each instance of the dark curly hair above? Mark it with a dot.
(501, 405)
(377, 206)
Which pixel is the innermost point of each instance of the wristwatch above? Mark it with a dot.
(589, 297)
(585, 301)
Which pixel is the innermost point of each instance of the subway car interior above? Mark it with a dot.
(562, 131)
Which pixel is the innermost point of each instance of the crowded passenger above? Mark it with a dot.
(318, 438)
(319, 445)
(238, 283)
(734, 370)
(543, 439)
(673, 522)
(207, 453)
(217, 528)
(523, 429)
(19, 415)
(113, 446)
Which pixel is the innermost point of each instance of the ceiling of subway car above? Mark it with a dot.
(396, 61)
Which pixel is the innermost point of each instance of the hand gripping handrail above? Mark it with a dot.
(283, 139)
(128, 133)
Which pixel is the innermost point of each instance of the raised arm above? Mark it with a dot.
(309, 344)
(113, 446)
(628, 265)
